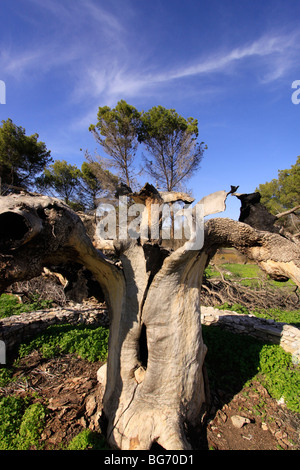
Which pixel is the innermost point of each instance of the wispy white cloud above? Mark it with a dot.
(93, 45)
(272, 56)
(278, 48)
(16, 64)
(79, 31)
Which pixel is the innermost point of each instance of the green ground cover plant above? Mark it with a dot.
(21, 423)
(277, 314)
(5, 376)
(10, 305)
(233, 360)
(88, 342)
(280, 376)
(88, 439)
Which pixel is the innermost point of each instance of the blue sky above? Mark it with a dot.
(228, 63)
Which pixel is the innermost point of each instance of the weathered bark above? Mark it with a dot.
(275, 254)
(155, 385)
(61, 238)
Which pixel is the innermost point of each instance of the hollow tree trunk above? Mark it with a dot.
(155, 386)
(155, 382)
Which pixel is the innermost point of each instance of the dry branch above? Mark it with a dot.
(290, 211)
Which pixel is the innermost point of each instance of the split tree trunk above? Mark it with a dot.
(155, 382)
(155, 387)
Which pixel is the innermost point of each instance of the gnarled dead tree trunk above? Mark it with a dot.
(155, 385)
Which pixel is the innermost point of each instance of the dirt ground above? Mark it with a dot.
(269, 425)
(68, 386)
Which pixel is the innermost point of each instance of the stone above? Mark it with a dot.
(239, 421)
(288, 336)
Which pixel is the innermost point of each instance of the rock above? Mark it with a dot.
(239, 421)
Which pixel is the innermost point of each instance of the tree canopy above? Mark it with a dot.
(95, 181)
(281, 194)
(61, 177)
(80, 188)
(171, 141)
(22, 157)
(173, 153)
(116, 132)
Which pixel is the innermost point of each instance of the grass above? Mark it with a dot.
(285, 316)
(10, 305)
(236, 271)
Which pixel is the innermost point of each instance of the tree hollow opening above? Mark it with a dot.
(143, 348)
(13, 228)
